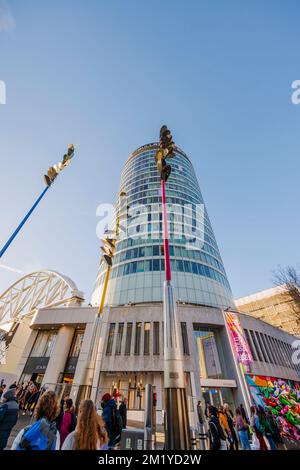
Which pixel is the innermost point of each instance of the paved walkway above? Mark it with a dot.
(21, 423)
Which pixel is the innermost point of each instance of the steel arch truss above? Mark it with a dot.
(35, 290)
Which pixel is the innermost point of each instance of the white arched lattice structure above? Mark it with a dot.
(36, 290)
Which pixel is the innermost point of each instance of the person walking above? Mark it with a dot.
(217, 438)
(123, 412)
(8, 416)
(270, 430)
(257, 426)
(90, 432)
(244, 414)
(112, 419)
(224, 423)
(242, 430)
(234, 442)
(68, 422)
(42, 434)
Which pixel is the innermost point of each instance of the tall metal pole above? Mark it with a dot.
(90, 365)
(49, 178)
(13, 236)
(177, 436)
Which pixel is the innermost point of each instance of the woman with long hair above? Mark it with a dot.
(242, 429)
(234, 443)
(42, 434)
(257, 425)
(90, 433)
(68, 422)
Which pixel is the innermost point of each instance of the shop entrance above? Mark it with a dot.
(37, 379)
(218, 396)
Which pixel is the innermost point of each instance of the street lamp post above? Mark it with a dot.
(176, 412)
(49, 179)
(109, 245)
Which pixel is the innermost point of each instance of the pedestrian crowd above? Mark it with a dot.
(234, 431)
(55, 425)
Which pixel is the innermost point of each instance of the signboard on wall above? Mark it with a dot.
(238, 340)
(36, 365)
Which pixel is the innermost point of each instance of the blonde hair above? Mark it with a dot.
(47, 406)
(90, 429)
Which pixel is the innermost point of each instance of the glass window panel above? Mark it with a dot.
(185, 341)
(76, 343)
(110, 339)
(208, 354)
(147, 338)
(137, 343)
(148, 265)
(119, 338)
(156, 265)
(44, 344)
(156, 250)
(140, 266)
(156, 338)
(128, 339)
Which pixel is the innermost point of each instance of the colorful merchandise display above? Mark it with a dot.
(282, 398)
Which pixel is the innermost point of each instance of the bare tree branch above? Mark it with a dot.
(288, 279)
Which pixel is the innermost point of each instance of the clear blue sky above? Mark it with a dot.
(106, 75)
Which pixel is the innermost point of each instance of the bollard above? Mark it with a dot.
(148, 419)
(193, 439)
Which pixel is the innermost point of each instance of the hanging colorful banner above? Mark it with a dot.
(238, 340)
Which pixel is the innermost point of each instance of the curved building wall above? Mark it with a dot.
(137, 275)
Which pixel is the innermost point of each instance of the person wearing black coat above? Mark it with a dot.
(8, 416)
(123, 412)
(217, 437)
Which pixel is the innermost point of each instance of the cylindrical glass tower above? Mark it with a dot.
(137, 274)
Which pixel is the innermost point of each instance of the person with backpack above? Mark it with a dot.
(217, 438)
(42, 434)
(257, 428)
(90, 432)
(112, 419)
(9, 411)
(242, 430)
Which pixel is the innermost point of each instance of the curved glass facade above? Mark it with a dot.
(137, 273)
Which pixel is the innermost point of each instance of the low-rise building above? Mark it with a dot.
(275, 306)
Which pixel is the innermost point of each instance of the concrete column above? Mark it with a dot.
(100, 358)
(158, 384)
(16, 347)
(59, 356)
(26, 353)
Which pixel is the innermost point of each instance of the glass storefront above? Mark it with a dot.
(208, 355)
(218, 396)
(44, 344)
